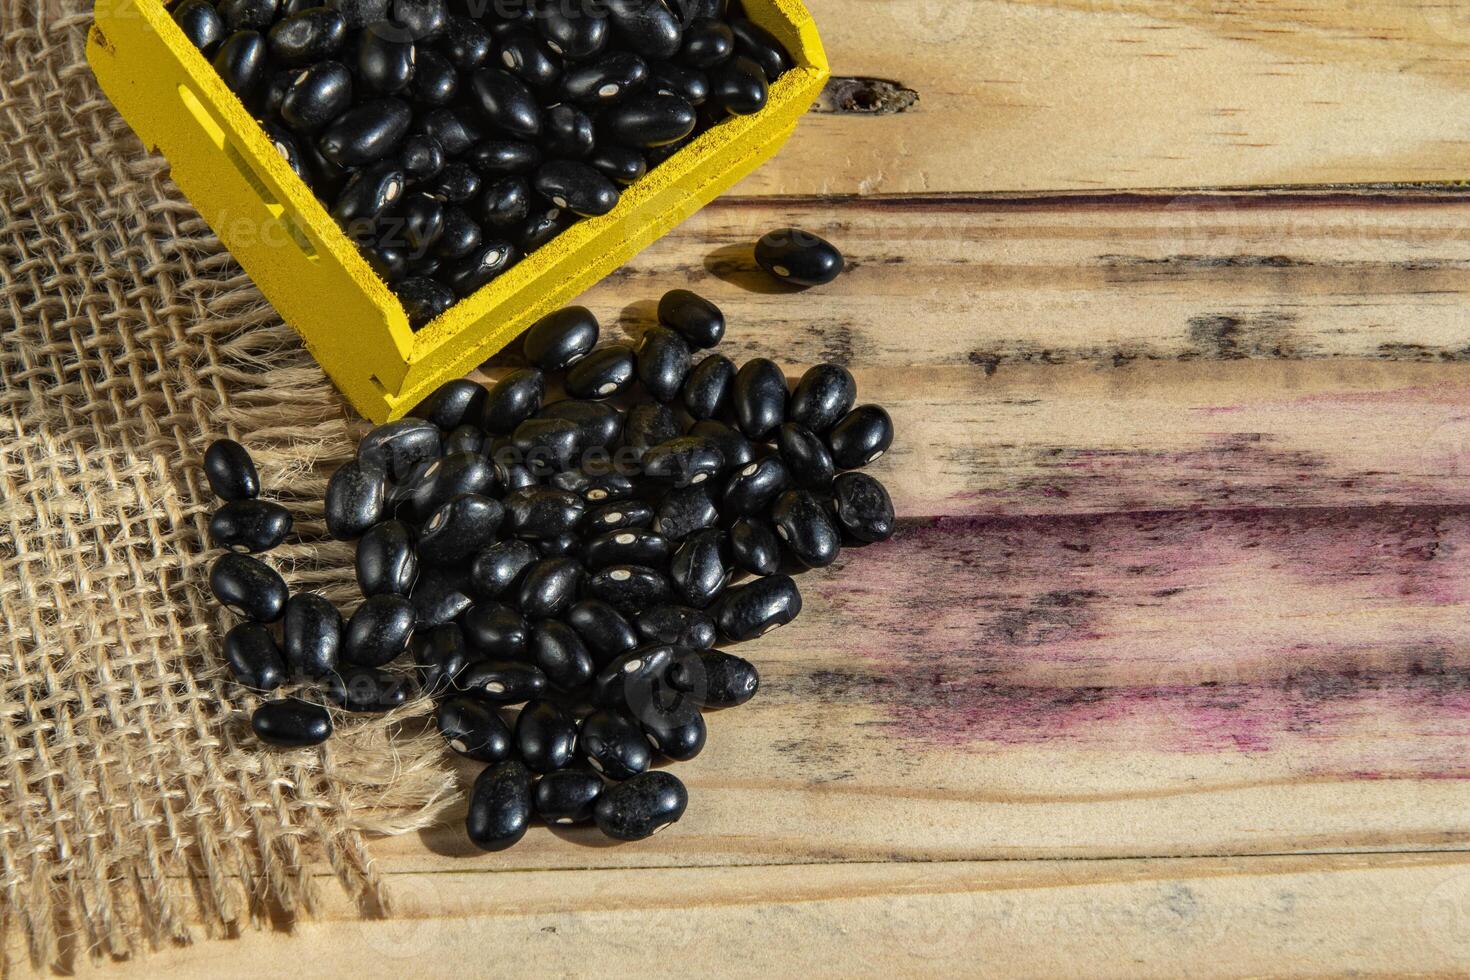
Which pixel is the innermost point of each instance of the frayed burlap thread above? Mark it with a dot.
(135, 808)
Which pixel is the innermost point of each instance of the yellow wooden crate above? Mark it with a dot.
(316, 278)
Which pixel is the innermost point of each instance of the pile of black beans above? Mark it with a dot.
(580, 556)
(451, 137)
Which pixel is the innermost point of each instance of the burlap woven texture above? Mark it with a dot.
(135, 808)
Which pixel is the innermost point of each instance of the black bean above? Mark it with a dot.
(707, 42)
(620, 164)
(576, 32)
(755, 487)
(467, 438)
(758, 45)
(498, 568)
(759, 397)
(737, 450)
(527, 57)
(807, 460)
(435, 82)
(390, 263)
(602, 373)
(241, 61)
(424, 20)
(291, 723)
(503, 681)
(648, 424)
(452, 404)
(863, 507)
(367, 195)
(648, 26)
(461, 234)
(543, 512)
(421, 157)
(459, 528)
(446, 478)
(684, 510)
(312, 635)
(503, 203)
(286, 145)
(562, 546)
(249, 525)
(548, 444)
(473, 728)
(648, 119)
(512, 474)
(656, 155)
(618, 515)
(379, 631)
(630, 546)
(506, 102)
(399, 448)
(308, 36)
(423, 299)
(567, 796)
(798, 257)
(677, 626)
(754, 547)
(231, 471)
(549, 587)
(714, 678)
(686, 461)
(545, 736)
(568, 132)
(606, 80)
(542, 226)
(613, 745)
(480, 267)
(496, 630)
(663, 362)
(699, 321)
(738, 87)
(600, 488)
(386, 58)
(635, 680)
(689, 84)
(440, 595)
(598, 424)
(560, 339)
(806, 528)
(253, 657)
(367, 689)
(513, 399)
(366, 133)
(358, 13)
(677, 732)
(864, 434)
(441, 655)
(602, 628)
(466, 43)
(629, 588)
(641, 807)
(759, 606)
(255, 15)
(249, 587)
(559, 652)
(576, 187)
(500, 806)
(420, 219)
(201, 24)
(698, 570)
(822, 397)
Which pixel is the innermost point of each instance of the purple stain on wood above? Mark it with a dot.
(1248, 631)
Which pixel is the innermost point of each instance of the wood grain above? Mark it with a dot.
(1024, 95)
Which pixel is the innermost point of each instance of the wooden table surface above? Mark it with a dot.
(1169, 666)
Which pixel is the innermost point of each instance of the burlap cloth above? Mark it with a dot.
(135, 808)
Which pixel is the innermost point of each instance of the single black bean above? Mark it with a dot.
(510, 473)
(254, 658)
(545, 736)
(707, 42)
(368, 689)
(863, 435)
(738, 86)
(462, 234)
(635, 679)
(473, 728)
(231, 471)
(822, 397)
(755, 487)
(503, 681)
(754, 547)
(602, 628)
(435, 82)
(648, 424)
(630, 546)
(689, 84)
(441, 655)
(602, 373)
(599, 488)
(807, 459)
(613, 744)
(390, 263)
(606, 80)
(366, 196)
(291, 723)
(568, 132)
(806, 528)
(309, 36)
(255, 15)
(759, 606)
(467, 275)
(714, 678)
(648, 119)
(567, 796)
(527, 57)
(618, 515)
(543, 512)
(467, 438)
(504, 158)
(456, 129)
(678, 626)
(684, 510)
(549, 587)
(663, 362)
(248, 587)
(500, 806)
(677, 732)
(386, 58)
(241, 61)
(542, 226)
(642, 806)
(798, 257)
(513, 399)
(423, 299)
(379, 631)
(698, 570)
(737, 450)
(452, 404)
(562, 546)
(286, 145)
(421, 156)
(574, 31)
(366, 133)
(250, 525)
(560, 339)
(598, 424)
(499, 567)
(548, 444)
(398, 448)
(503, 203)
(459, 528)
(620, 164)
(466, 43)
(648, 26)
(312, 635)
(575, 186)
(759, 397)
(629, 588)
(420, 221)
(496, 630)
(446, 478)
(201, 24)
(758, 45)
(561, 655)
(441, 594)
(506, 102)
(863, 507)
(699, 321)
(685, 461)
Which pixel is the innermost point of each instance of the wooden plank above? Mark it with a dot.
(1309, 915)
(1068, 94)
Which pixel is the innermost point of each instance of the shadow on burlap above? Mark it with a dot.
(135, 807)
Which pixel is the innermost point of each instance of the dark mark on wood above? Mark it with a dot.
(858, 95)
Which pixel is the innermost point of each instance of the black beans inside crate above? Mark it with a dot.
(451, 138)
